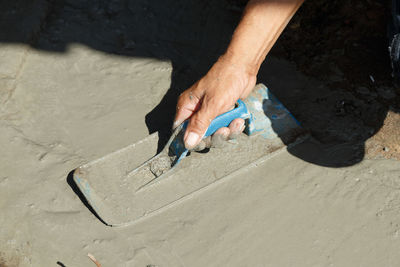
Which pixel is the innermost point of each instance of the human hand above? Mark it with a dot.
(214, 94)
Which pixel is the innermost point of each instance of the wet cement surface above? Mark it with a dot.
(83, 80)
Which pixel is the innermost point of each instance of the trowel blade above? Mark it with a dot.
(121, 193)
(117, 200)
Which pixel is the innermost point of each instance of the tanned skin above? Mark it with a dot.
(234, 74)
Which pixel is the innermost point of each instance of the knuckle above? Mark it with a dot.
(182, 97)
(220, 103)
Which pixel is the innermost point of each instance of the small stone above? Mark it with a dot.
(372, 78)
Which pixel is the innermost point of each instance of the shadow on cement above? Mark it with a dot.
(190, 34)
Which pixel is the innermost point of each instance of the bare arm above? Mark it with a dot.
(262, 23)
(233, 76)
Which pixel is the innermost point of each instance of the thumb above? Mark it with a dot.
(197, 127)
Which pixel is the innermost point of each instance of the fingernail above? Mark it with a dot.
(191, 140)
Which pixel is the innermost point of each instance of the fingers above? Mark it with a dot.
(220, 136)
(197, 127)
(224, 131)
(236, 127)
(200, 121)
(188, 103)
(216, 140)
(204, 143)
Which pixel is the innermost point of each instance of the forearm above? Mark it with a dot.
(233, 76)
(262, 23)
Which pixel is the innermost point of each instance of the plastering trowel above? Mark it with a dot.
(132, 183)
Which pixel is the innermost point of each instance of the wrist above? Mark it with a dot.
(240, 61)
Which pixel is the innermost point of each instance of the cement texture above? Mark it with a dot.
(85, 79)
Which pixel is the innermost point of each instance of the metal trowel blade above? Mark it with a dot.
(125, 186)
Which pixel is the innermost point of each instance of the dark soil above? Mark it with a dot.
(345, 43)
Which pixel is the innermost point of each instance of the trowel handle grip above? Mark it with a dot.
(225, 119)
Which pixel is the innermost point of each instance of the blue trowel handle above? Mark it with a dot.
(225, 119)
(178, 148)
